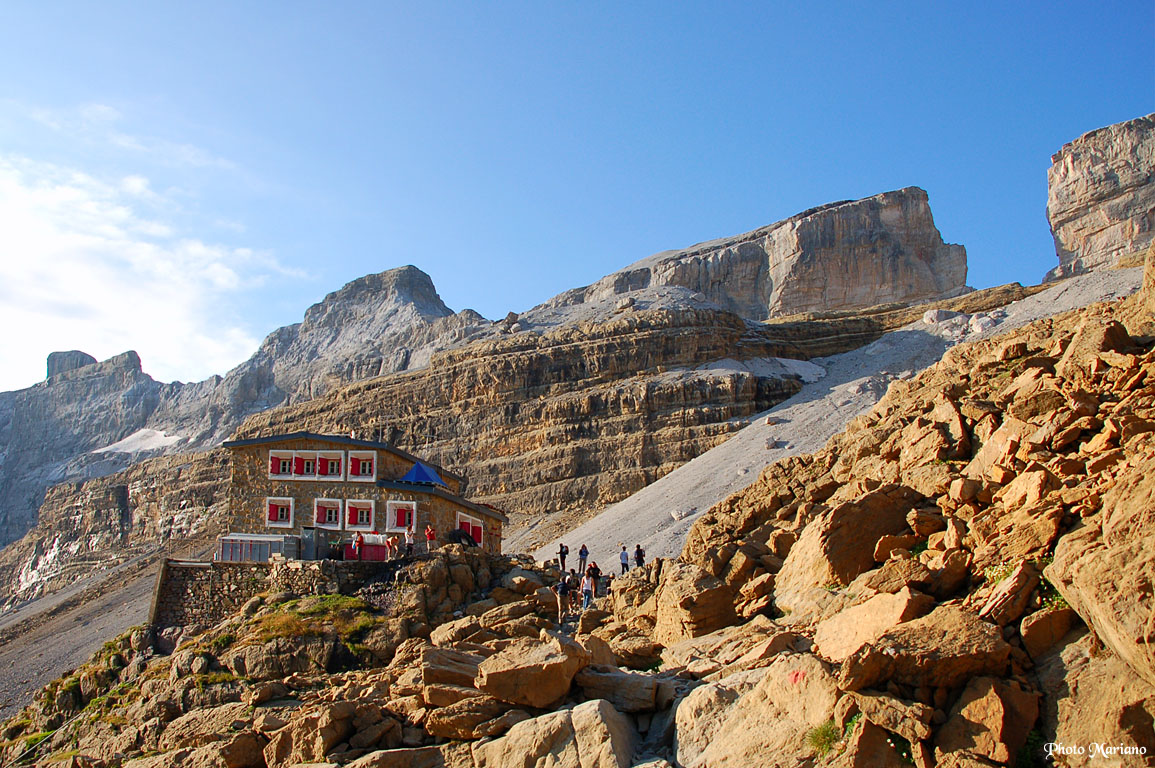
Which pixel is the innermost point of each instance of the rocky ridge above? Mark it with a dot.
(844, 255)
(1101, 197)
(943, 584)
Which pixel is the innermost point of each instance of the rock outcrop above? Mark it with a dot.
(840, 256)
(1101, 197)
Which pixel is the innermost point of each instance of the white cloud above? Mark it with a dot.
(89, 264)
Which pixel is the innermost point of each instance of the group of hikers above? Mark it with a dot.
(393, 543)
(587, 578)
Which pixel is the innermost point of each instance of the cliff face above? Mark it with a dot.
(845, 255)
(47, 432)
(1101, 197)
(573, 418)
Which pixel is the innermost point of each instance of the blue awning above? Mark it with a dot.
(421, 473)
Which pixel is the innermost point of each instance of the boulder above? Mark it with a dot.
(839, 545)
(766, 724)
(627, 692)
(909, 719)
(311, 735)
(690, 602)
(532, 672)
(1092, 697)
(1009, 598)
(944, 648)
(1104, 571)
(1043, 630)
(843, 634)
(992, 718)
(472, 718)
(203, 726)
(591, 735)
(869, 746)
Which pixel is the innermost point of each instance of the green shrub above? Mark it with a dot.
(822, 738)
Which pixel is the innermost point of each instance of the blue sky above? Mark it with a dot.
(181, 179)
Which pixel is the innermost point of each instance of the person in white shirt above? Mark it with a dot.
(625, 558)
(409, 541)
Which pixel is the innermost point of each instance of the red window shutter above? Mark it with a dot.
(465, 526)
(320, 515)
(272, 512)
(298, 466)
(274, 465)
(399, 517)
(352, 515)
(475, 532)
(322, 466)
(354, 467)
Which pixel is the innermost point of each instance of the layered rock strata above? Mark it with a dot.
(1101, 197)
(839, 256)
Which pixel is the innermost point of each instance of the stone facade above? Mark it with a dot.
(190, 594)
(252, 485)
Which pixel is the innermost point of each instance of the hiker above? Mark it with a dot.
(625, 558)
(409, 541)
(587, 591)
(583, 556)
(574, 583)
(358, 546)
(561, 592)
(395, 545)
(388, 548)
(639, 556)
(562, 551)
(595, 573)
(430, 538)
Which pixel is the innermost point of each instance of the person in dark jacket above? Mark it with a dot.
(639, 556)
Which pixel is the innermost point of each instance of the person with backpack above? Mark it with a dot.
(561, 592)
(562, 551)
(639, 556)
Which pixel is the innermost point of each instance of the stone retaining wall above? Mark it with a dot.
(191, 594)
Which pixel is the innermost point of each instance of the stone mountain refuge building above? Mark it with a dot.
(306, 495)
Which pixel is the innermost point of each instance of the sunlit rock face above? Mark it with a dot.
(1101, 197)
(839, 256)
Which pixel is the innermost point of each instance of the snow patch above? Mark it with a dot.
(142, 440)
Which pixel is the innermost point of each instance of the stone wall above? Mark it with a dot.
(189, 594)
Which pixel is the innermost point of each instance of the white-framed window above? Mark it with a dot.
(399, 515)
(330, 465)
(363, 466)
(327, 513)
(280, 463)
(278, 512)
(472, 526)
(359, 514)
(305, 465)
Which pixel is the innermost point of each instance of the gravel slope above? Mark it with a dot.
(660, 515)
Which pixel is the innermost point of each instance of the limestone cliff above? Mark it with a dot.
(1101, 197)
(48, 432)
(839, 256)
(88, 420)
